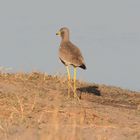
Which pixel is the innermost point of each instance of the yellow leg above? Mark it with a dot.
(68, 72)
(75, 94)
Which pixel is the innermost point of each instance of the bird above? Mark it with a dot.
(70, 55)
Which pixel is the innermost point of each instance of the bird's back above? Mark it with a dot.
(70, 54)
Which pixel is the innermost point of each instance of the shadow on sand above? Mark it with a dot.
(91, 90)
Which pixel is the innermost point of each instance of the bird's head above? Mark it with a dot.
(64, 33)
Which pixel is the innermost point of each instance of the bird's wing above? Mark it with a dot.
(71, 54)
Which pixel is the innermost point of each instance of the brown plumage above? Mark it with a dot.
(69, 54)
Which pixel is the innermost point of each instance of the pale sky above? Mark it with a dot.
(106, 31)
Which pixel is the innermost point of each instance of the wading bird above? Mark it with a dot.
(69, 54)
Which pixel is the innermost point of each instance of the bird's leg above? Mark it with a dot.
(69, 78)
(75, 94)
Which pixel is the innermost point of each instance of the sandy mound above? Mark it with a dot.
(34, 106)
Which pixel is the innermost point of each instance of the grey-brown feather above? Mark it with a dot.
(70, 54)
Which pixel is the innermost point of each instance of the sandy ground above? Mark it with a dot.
(34, 106)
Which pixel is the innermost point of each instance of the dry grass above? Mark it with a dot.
(34, 106)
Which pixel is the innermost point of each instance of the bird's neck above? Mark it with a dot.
(64, 40)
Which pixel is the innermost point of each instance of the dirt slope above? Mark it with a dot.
(34, 106)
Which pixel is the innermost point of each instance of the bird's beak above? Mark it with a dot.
(58, 33)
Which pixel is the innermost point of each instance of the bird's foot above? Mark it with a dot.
(68, 96)
(76, 96)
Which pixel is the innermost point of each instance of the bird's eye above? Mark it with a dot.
(62, 33)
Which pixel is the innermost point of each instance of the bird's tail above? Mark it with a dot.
(83, 66)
